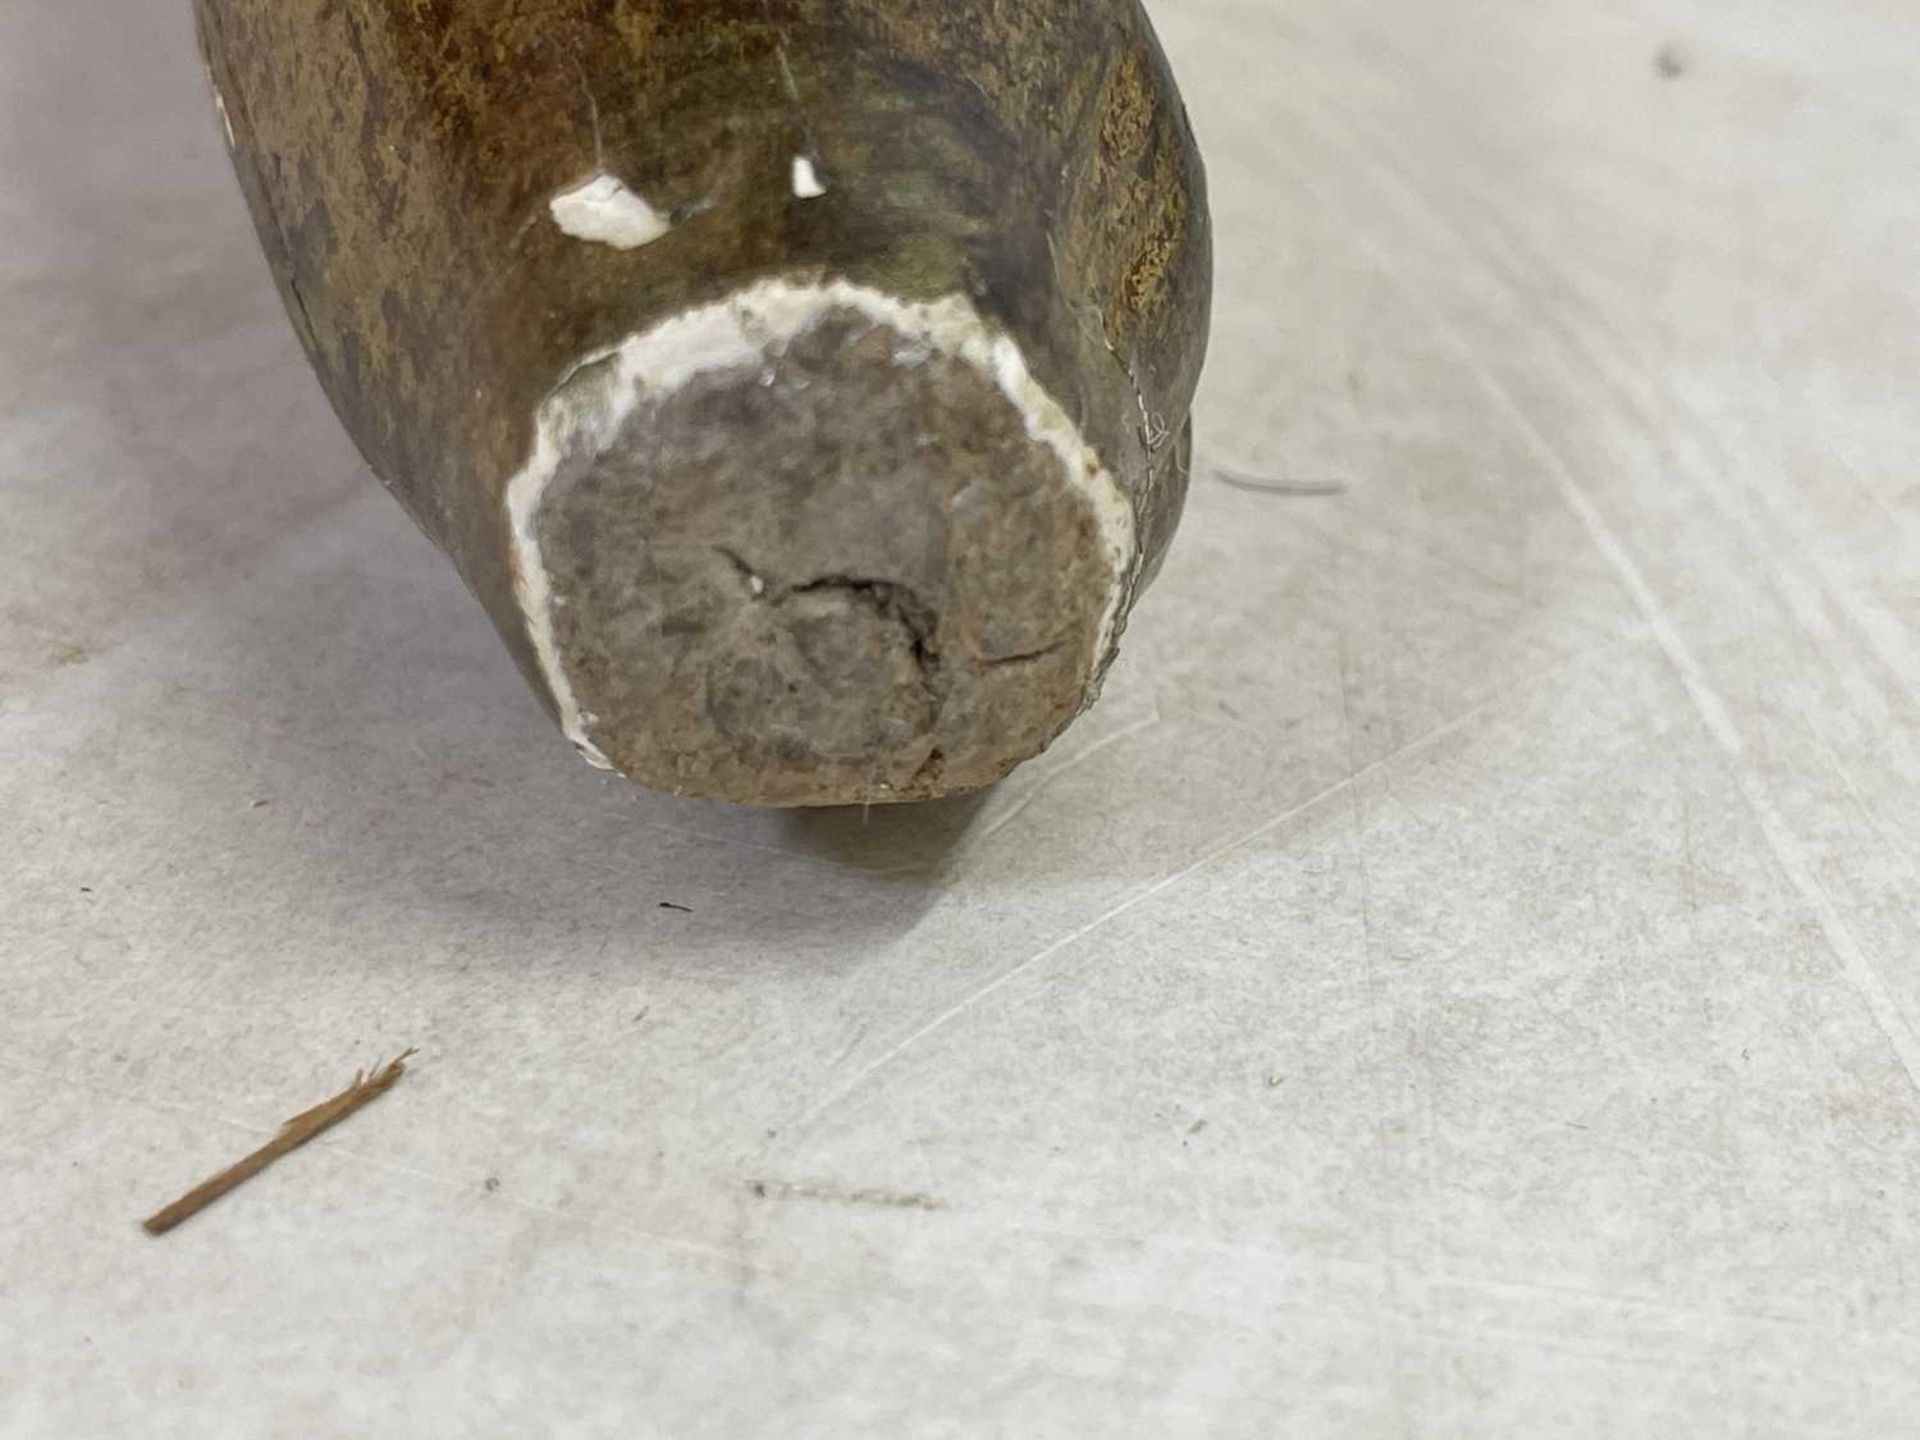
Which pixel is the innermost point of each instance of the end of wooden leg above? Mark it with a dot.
(813, 545)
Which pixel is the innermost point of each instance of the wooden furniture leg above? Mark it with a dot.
(802, 388)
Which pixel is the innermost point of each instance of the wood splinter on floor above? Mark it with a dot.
(307, 1125)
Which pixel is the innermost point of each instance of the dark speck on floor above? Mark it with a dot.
(1671, 61)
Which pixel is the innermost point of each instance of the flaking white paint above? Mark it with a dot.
(604, 211)
(806, 179)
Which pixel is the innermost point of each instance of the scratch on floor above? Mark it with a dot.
(1587, 335)
(834, 1096)
(1858, 970)
(1590, 338)
(1065, 768)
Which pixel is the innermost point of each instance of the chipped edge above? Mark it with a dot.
(585, 412)
(603, 210)
(807, 184)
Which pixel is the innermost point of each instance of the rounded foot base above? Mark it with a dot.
(816, 547)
